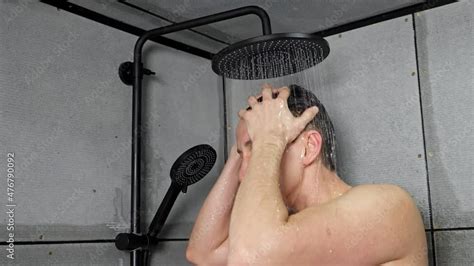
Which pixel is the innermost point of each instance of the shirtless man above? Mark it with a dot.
(279, 200)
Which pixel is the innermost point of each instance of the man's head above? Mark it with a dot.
(315, 145)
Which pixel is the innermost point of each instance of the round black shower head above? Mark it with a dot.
(270, 56)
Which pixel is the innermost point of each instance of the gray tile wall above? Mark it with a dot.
(67, 117)
(68, 254)
(454, 247)
(445, 42)
(183, 108)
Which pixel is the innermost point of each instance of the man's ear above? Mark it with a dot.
(313, 146)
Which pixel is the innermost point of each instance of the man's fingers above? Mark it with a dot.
(252, 101)
(267, 93)
(242, 113)
(284, 93)
(266, 85)
(307, 116)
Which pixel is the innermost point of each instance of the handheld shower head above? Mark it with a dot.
(190, 167)
(193, 165)
(270, 56)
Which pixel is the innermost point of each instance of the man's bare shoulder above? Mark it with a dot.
(370, 197)
(368, 201)
(366, 192)
(386, 211)
(388, 200)
(380, 219)
(395, 212)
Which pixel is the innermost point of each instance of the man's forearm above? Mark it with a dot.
(212, 224)
(259, 208)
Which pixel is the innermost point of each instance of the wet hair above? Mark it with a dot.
(301, 99)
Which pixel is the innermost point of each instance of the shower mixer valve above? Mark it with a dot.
(126, 72)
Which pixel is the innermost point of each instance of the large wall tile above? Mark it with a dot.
(67, 254)
(183, 108)
(446, 58)
(454, 248)
(65, 114)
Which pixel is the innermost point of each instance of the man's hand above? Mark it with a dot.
(271, 121)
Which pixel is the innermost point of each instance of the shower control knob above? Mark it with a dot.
(126, 72)
(148, 72)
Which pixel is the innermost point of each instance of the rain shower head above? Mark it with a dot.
(270, 56)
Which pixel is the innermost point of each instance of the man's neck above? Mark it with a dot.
(319, 188)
